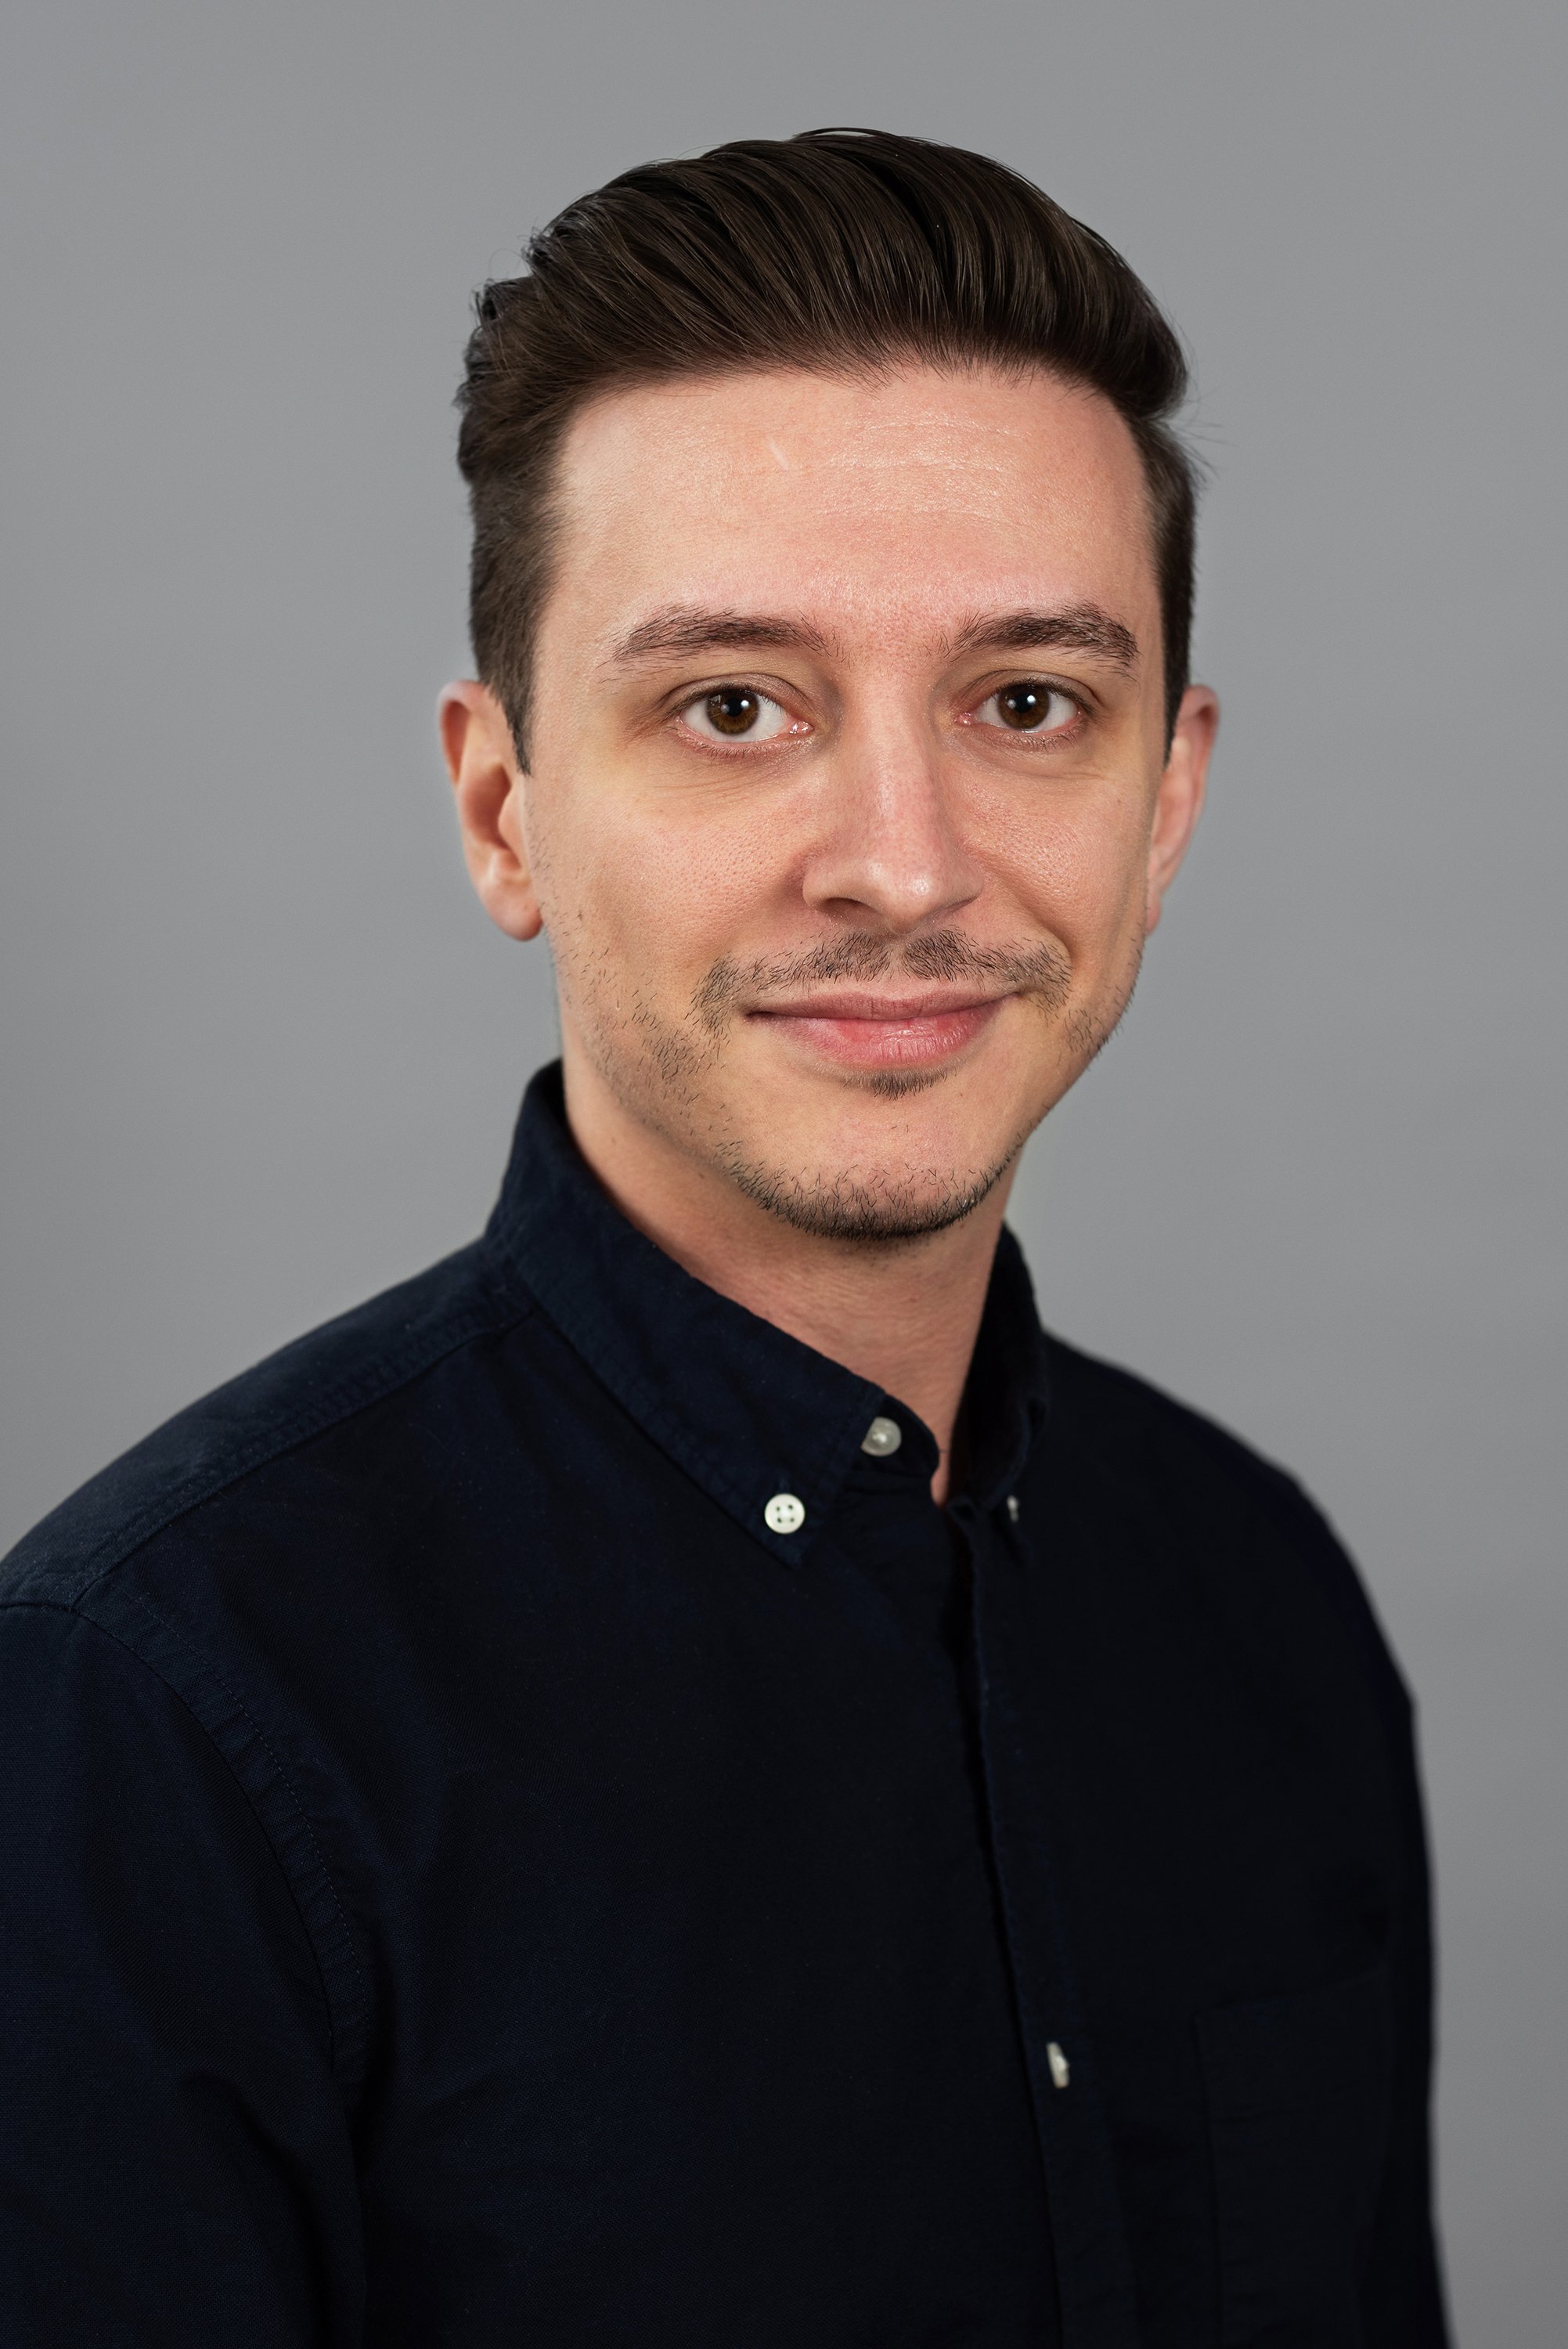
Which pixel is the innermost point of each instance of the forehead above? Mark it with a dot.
(884, 504)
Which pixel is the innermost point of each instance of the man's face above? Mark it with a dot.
(848, 806)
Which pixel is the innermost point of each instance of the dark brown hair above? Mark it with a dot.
(836, 250)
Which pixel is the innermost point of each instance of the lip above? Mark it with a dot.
(880, 1032)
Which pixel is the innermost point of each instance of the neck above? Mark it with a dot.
(902, 1313)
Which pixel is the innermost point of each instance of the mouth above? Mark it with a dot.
(862, 1030)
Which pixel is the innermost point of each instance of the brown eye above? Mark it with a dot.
(1029, 708)
(1021, 706)
(733, 713)
(733, 710)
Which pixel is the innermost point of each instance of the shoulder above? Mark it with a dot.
(312, 1391)
(1193, 1484)
(193, 1618)
(1124, 1421)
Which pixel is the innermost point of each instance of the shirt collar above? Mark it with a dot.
(748, 1411)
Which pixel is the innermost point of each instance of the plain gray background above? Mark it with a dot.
(263, 1051)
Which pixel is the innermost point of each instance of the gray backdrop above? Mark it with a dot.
(261, 1050)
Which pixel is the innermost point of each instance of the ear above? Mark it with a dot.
(1180, 799)
(490, 788)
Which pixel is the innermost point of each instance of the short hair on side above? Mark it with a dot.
(838, 250)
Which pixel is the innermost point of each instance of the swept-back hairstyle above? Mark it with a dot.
(842, 250)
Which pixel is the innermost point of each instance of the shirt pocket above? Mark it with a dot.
(1298, 2092)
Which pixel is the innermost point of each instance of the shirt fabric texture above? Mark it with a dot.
(465, 1879)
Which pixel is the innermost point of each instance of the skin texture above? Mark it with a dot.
(822, 973)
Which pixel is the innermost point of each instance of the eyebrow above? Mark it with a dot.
(1076, 628)
(684, 628)
(687, 628)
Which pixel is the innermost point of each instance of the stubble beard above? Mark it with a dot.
(665, 1079)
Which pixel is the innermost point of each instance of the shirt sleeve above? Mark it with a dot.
(1401, 2271)
(1404, 2288)
(175, 2163)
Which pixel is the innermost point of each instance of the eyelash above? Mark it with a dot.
(1046, 685)
(693, 701)
(741, 746)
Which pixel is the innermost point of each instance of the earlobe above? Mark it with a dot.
(1180, 799)
(489, 792)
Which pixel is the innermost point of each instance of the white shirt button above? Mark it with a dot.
(1013, 1506)
(882, 1438)
(784, 1513)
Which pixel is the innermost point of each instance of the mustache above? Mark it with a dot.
(945, 958)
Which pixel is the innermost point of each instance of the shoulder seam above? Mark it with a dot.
(1244, 1461)
(1299, 1519)
(183, 1639)
(86, 1590)
(340, 1402)
(337, 2035)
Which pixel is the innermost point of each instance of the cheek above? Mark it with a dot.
(663, 901)
(1077, 867)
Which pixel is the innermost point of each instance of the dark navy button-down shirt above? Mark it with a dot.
(468, 1879)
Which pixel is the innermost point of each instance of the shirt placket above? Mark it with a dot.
(1094, 2272)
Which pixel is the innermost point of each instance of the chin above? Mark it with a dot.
(869, 1193)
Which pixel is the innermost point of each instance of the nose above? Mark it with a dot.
(890, 856)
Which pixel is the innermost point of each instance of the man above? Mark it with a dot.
(690, 1775)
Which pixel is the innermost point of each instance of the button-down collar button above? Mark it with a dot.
(1013, 1506)
(784, 1513)
(882, 1438)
